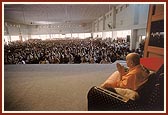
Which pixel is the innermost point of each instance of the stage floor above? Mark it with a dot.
(52, 87)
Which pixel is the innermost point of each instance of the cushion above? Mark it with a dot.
(131, 94)
(152, 63)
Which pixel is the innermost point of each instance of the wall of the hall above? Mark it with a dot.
(122, 17)
(13, 29)
(125, 16)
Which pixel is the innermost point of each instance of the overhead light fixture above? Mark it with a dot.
(44, 22)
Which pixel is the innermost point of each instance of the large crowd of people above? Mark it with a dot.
(69, 51)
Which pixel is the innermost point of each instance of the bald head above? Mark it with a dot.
(132, 59)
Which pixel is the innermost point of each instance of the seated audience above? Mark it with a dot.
(65, 51)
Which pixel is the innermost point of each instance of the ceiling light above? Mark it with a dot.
(44, 22)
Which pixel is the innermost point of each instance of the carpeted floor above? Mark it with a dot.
(52, 87)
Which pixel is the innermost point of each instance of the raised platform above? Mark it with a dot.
(59, 87)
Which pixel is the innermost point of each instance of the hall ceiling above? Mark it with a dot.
(40, 14)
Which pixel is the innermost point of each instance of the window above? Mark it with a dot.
(14, 38)
(67, 35)
(116, 11)
(87, 35)
(82, 35)
(127, 5)
(74, 35)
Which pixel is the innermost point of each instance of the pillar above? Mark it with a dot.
(133, 39)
